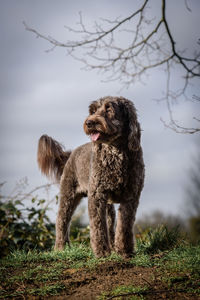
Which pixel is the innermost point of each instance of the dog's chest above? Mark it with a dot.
(108, 168)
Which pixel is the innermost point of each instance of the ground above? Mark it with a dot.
(76, 274)
(84, 284)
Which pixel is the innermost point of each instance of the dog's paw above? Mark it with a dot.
(58, 247)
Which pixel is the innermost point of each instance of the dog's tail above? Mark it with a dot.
(51, 157)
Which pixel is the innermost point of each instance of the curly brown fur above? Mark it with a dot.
(108, 170)
(51, 157)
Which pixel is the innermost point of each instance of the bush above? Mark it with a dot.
(161, 238)
(194, 223)
(29, 227)
(24, 228)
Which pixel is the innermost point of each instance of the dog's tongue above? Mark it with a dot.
(95, 136)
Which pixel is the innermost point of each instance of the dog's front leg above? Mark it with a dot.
(124, 242)
(111, 224)
(98, 226)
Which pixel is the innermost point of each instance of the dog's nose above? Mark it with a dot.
(90, 123)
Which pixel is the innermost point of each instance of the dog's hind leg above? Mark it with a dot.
(124, 242)
(66, 209)
(111, 224)
(69, 200)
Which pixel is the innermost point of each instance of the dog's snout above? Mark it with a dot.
(90, 123)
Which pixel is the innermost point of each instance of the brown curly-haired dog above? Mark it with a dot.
(108, 170)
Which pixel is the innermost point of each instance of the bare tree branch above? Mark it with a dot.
(150, 45)
(187, 6)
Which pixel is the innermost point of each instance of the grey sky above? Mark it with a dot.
(49, 93)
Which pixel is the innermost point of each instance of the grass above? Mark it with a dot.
(52, 289)
(77, 256)
(54, 273)
(38, 273)
(73, 253)
(182, 269)
(121, 291)
(184, 259)
(142, 260)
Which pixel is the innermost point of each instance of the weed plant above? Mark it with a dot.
(155, 240)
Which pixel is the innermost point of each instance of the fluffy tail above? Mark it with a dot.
(51, 157)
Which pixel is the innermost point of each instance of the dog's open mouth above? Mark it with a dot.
(95, 136)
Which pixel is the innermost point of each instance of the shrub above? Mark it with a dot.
(23, 227)
(29, 227)
(194, 223)
(161, 238)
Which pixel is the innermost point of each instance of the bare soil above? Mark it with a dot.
(88, 284)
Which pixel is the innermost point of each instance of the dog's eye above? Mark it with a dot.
(108, 108)
(92, 110)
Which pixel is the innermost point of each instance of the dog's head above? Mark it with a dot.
(111, 119)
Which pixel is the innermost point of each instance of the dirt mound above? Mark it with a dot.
(89, 284)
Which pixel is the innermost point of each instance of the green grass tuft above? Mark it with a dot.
(161, 238)
(52, 289)
(124, 291)
(141, 259)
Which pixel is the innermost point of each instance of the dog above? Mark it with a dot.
(109, 169)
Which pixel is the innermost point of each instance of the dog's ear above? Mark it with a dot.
(134, 131)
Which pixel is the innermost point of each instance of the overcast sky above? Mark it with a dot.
(49, 93)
